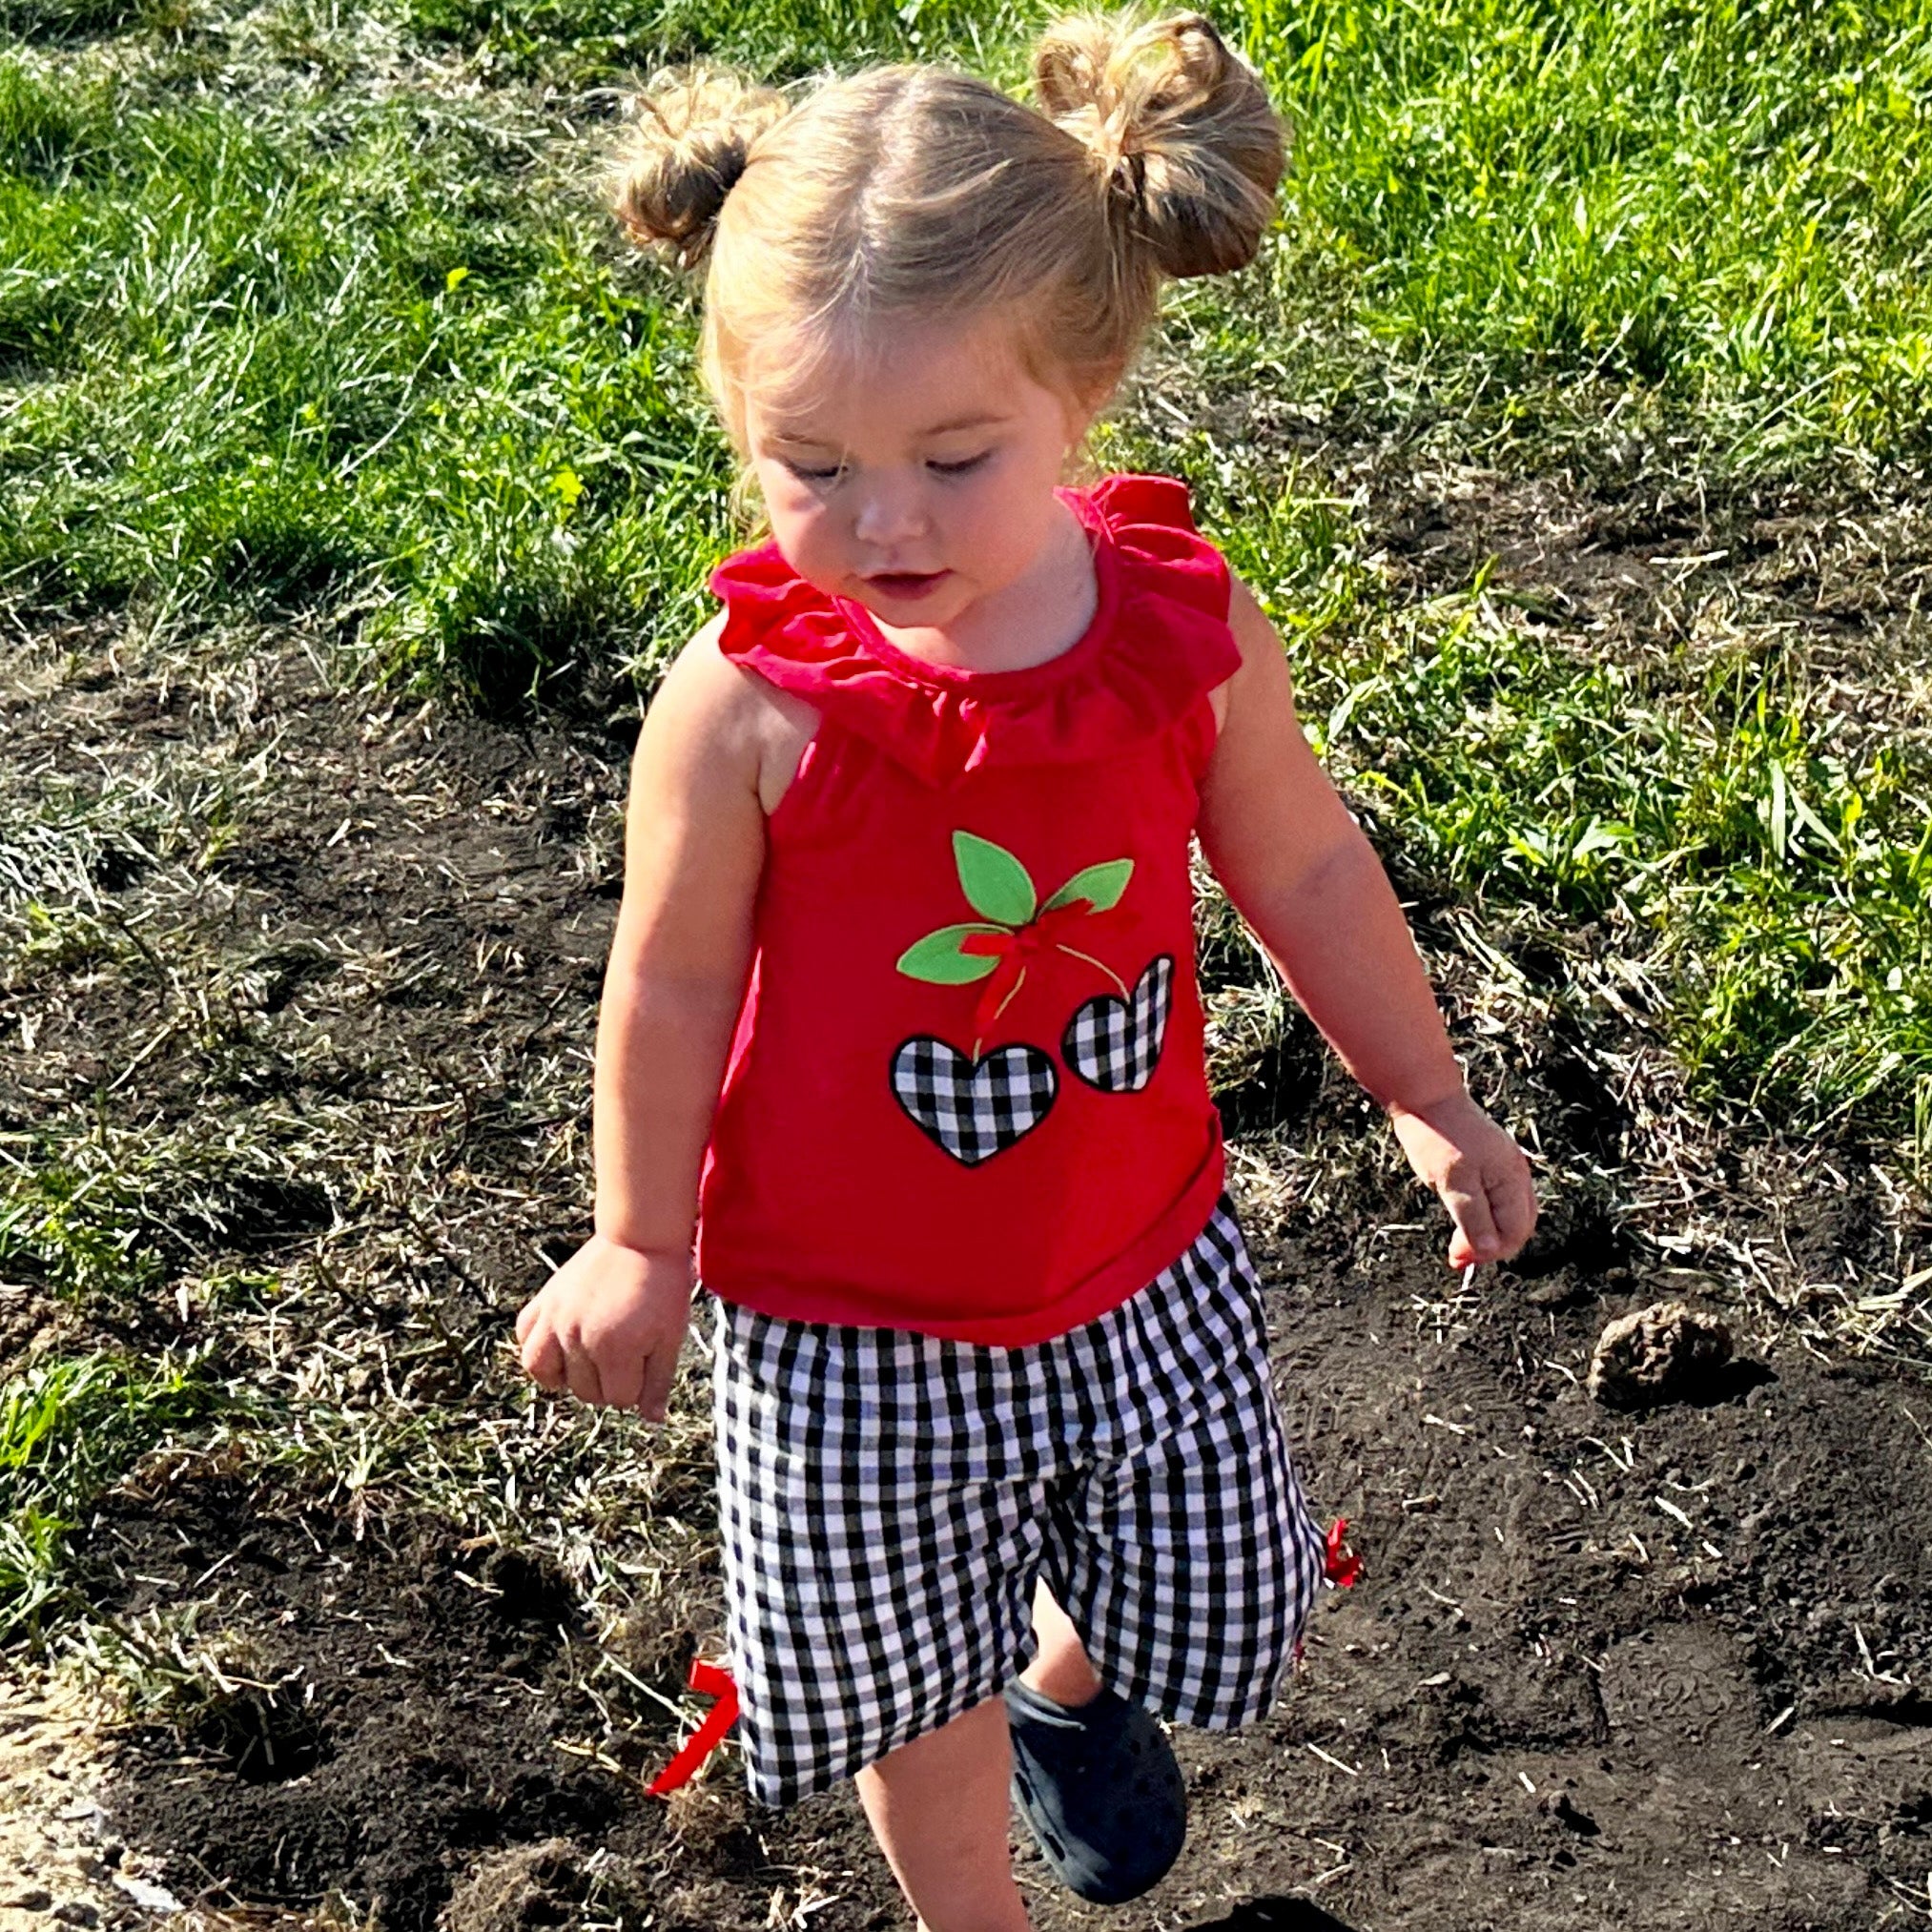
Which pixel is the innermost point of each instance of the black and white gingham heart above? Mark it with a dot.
(974, 1108)
(1114, 1043)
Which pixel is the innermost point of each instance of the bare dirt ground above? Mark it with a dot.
(316, 1017)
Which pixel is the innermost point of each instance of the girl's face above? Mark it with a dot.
(914, 475)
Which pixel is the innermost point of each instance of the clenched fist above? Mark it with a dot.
(1478, 1172)
(609, 1325)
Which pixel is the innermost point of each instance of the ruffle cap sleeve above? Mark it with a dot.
(1158, 640)
(778, 625)
(1152, 523)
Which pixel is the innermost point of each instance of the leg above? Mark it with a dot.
(880, 1540)
(1061, 1669)
(939, 1808)
(1186, 1555)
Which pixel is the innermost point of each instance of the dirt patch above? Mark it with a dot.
(1648, 1671)
(1652, 1671)
(61, 1860)
(1611, 559)
(327, 997)
(31, 1323)
(399, 1701)
(409, 1728)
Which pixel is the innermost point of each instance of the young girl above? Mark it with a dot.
(901, 1020)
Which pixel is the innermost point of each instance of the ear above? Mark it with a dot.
(1083, 401)
(1079, 410)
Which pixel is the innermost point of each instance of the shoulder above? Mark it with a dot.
(1263, 663)
(718, 722)
(1254, 635)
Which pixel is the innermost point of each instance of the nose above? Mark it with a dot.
(891, 510)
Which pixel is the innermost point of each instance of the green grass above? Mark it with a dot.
(1761, 860)
(327, 358)
(1777, 883)
(69, 1428)
(310, 341)
(104, 1219)
(1726, 203)
(318, 311)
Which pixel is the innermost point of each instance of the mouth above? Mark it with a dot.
(906, 586)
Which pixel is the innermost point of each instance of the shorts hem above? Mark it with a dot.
(821, 1779)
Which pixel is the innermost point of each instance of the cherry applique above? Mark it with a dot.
(973, 1109)
(1113, 1042)
(1014, 927)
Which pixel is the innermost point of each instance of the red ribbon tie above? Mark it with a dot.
(1014, 947)
(1340, 1564)
(709, 1680)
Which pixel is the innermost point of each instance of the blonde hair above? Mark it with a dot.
(920, 191)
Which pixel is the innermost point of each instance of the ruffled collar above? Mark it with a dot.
(1158, 638)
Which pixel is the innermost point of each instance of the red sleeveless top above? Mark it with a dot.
(966, 1095)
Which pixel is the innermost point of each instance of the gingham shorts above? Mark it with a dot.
(887, 1500)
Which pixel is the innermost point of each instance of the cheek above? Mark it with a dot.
(1006, 519)
(803, 530)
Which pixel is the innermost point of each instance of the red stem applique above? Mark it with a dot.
(993, 950)
(1340, 1564)
(709, 1680)
(1013, 949)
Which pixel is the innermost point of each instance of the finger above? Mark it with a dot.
(580, 1369)
(543, 1359)
(1512, 1206)
(525, 1315)
(619, 1374)
(1475, 1236)
(660, 1371)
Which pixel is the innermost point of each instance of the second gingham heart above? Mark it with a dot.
(1114, 1043)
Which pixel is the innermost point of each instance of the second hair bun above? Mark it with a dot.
(694, 133)
(1184, 132)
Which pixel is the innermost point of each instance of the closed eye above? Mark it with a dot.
(965, 467)
(818, 473)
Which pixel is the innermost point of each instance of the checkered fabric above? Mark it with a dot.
(1112, 1043)
(974, 1108)
(888, 1498)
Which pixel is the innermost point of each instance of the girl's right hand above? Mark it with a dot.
(609, 1325)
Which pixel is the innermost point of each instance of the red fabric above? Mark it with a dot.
(822, 1198)
(1159, 639)
(709, 1680)
(1340, 1564)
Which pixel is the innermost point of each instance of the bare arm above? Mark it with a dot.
(694, 846)
(610, 1322)
(1299, 871)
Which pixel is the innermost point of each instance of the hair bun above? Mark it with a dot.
(694, 133)
(1190, 146)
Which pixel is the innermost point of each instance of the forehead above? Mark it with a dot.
(892, 381)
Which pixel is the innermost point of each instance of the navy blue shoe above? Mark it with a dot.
(1099, 1787)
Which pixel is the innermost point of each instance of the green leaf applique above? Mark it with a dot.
(937, 958)
(995, 884)
(1099, 885)
(1012, 926)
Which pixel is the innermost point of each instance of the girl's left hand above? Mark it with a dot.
(1479, 1172)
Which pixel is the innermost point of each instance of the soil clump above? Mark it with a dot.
(1666, 1352)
